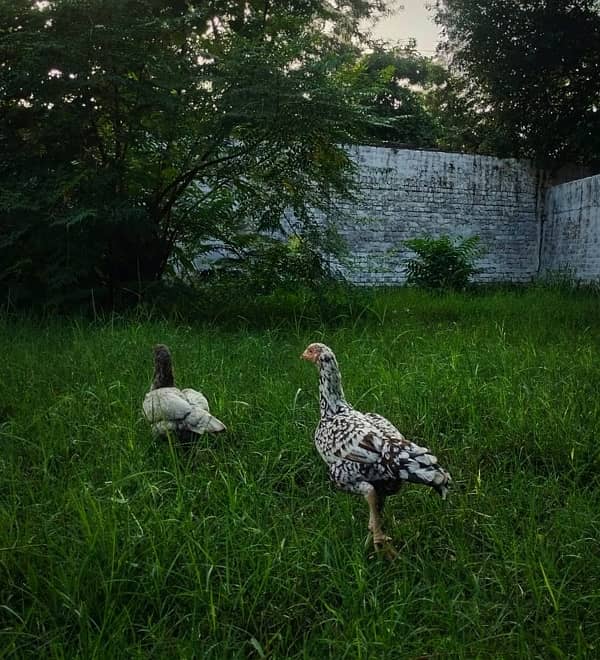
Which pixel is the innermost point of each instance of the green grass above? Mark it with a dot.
(117, 546)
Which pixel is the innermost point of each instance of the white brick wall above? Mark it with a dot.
(571, 231)
(406, 193)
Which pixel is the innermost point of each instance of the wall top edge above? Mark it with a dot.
(395, 148)
(594, 180)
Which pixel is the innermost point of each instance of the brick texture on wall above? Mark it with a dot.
(406, 193)
(571, 229)
(526, 222)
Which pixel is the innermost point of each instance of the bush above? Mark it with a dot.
(269, 264)
(441, 263)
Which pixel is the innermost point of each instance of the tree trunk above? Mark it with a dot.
(135, 259)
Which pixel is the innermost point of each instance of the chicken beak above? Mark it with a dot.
(306, 356)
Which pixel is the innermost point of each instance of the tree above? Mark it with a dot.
(461, 124)
(135, 128)
(393, 85)
(533, 72)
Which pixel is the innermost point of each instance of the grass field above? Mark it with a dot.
(116, 546)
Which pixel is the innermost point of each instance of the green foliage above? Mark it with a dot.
(530, 77)
(135, 129)
(462, 126)
(267, 264)
(417, 101)
(115, 546)
(392, 86)
(442, 263)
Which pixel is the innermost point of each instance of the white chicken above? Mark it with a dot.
(182, 413)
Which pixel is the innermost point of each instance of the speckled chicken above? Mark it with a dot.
(182, 413)
(366, 453)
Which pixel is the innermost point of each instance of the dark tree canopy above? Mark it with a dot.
(393, 85)
(134, 129)
(531, 76)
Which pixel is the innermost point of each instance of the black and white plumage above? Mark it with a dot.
(366, 453)
(182, 413)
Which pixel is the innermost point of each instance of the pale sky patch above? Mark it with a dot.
(415, 20)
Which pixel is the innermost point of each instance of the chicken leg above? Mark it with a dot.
(380, 540)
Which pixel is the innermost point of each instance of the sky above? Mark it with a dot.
(415, 20)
